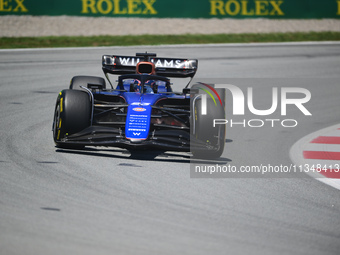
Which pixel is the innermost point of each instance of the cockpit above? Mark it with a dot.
(144, 83)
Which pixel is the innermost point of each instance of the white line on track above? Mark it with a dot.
(182, 46)
(323, 147)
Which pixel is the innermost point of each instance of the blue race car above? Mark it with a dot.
(141, 110)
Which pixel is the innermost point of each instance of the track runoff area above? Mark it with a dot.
(318, 154)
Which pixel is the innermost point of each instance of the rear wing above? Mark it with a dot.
(168, 67)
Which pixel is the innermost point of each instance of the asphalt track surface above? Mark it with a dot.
(109, 201)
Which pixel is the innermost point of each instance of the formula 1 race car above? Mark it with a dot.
(141, 110)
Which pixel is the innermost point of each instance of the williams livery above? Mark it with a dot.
(141, 110)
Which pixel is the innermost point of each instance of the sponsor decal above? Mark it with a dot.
(12, 6)
(159, 62)
(139, 109)
(139, 103)
(138, 122)
(119, 7)
(246, 8)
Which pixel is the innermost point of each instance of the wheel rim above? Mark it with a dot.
(56, 123)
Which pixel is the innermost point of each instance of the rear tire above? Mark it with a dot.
(72, 114)
(78, 81)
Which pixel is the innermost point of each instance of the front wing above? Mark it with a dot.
(175, 140)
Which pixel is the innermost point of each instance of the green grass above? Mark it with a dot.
(85, 41)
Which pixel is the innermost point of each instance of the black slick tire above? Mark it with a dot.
(72, 114)
(204, 131)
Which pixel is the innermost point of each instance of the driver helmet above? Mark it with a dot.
(149, 86)
(137, 85)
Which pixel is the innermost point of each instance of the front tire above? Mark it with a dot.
(72, 114)
(203, 130)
